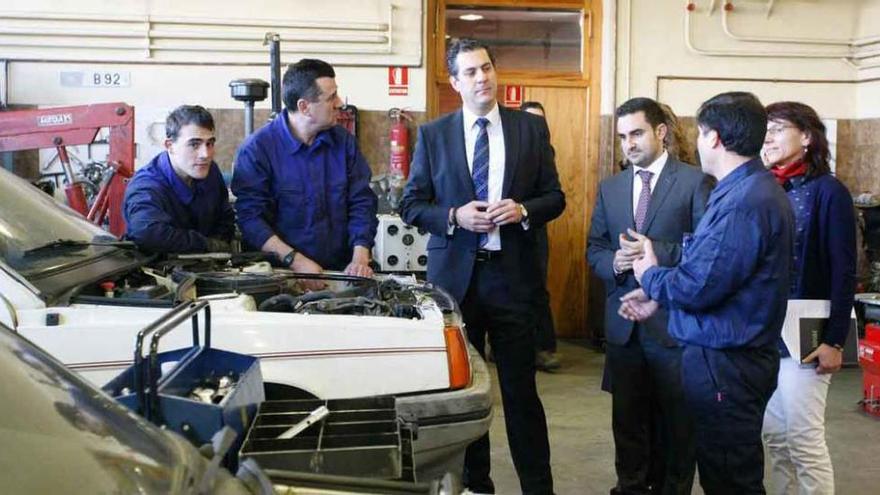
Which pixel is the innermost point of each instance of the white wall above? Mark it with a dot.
(350, 32)
(868, 18)
(651, 42)
(154, 86)
(156, 89)
(39, 83)
(868, 94)
(363, 78)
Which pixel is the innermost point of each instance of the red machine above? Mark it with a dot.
(869, 360)
(72, 126)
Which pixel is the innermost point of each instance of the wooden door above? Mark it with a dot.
(567, 110)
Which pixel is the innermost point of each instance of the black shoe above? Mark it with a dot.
(547, 361)
(620, 491)
(483, 487)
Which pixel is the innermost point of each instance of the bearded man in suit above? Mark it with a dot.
(663, 199)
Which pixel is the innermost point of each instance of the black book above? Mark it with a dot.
(812, 333)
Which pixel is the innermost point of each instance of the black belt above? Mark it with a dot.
(486, 255)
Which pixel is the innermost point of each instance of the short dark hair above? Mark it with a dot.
(299, 81)
(739, 119)
(806, 120)
(185, 115)
(532, 104)
(457, 46)
(653, 113)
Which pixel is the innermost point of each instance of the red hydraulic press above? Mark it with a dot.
(77, 125)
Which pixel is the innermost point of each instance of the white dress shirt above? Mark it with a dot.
(496, 159)
(655, 168)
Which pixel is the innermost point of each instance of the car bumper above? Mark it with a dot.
(448, 422)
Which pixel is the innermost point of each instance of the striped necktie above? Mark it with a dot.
(644, 199)
(480, 168)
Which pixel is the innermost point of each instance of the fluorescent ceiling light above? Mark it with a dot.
(470, 17)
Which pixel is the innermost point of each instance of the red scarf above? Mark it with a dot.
(782, 174)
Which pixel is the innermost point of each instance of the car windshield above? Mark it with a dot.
(58, 427)
(29, 219)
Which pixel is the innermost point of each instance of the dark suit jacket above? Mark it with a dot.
(440, 179)
(677, 204)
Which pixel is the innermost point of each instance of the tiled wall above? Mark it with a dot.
(858, 145)
(229, 131)
(610, 155)
(373, 128)
(858, 164)
(609, 149)
(373, 131)
(858, 151)
(24, 163)
(858, 167)
(858, 155)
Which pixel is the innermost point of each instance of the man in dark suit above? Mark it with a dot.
(663, 199)
(483, 178)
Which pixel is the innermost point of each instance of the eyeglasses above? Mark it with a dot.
(778, 129)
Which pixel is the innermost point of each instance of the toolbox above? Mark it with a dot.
(205, 388)
(357, 437)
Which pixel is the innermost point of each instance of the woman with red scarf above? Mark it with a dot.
(824, 266)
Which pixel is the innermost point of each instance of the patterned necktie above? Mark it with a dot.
(644, 198)
(480, 168)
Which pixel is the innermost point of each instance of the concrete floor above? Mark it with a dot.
(582, 449)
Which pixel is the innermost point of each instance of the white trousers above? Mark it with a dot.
(794, 432)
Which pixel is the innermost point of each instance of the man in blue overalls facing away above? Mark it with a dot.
(727, 297)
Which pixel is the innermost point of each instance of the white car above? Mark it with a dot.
(81, 295)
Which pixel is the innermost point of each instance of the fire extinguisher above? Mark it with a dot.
(398, 166)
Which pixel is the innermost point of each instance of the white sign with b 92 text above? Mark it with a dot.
(96, 79)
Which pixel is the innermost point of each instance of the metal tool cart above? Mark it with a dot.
(350, 437)
(355, 442)
(205, 388)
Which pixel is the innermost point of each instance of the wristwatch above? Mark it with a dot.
(287, 260)
(523, 211)
(453, 220)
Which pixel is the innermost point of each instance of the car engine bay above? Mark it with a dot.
(166, 281)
